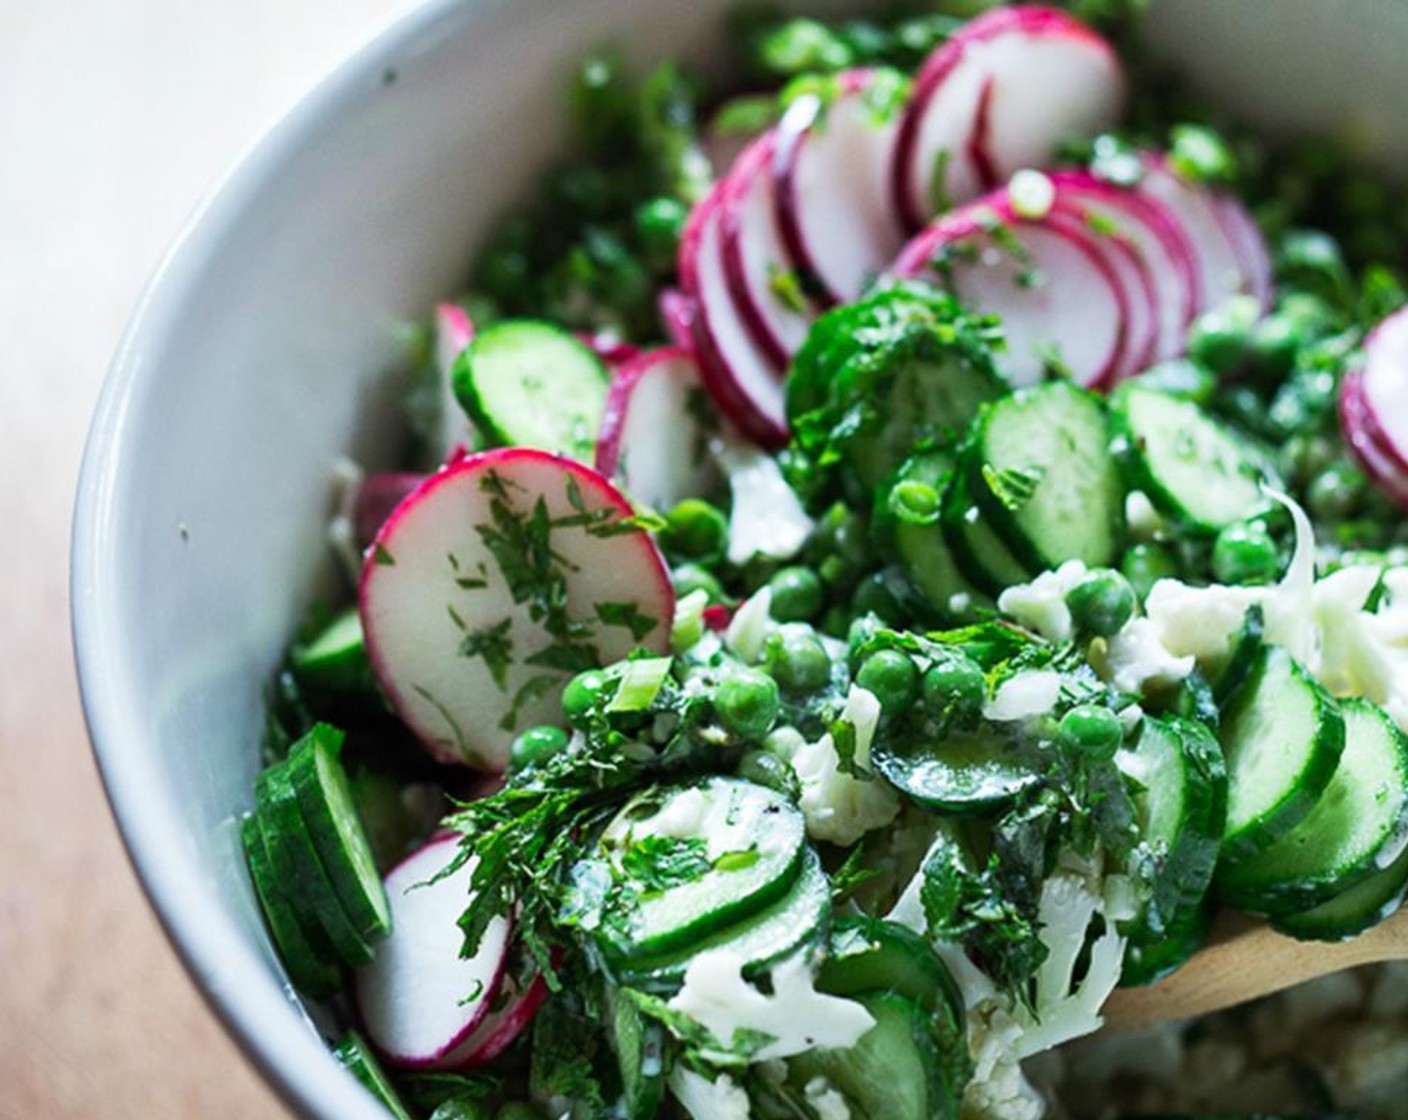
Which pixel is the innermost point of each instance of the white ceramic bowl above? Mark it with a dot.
(261, 351)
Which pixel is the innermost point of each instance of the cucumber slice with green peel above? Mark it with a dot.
(923, 552)
(1282, 735)
(1246, 646)
(1155, 958)
(691, 861)
(1353, 911)
(1039, 466)
(1178, 781)
(798, 921)
(965, 772)
(981, 556)
(336, 659)
(896, 1071)
(325, 803)
(1193, 467)
(310, 967)
(872, 954)
(1358, 826)
(358, 1059)
(298, 868)
(639, 1046)
(526, 383)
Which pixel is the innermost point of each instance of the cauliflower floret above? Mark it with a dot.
(825, 1101)
(720, 1099)
(1041, 604)
(1024, 695)
(1136, 659)
(838, 806)
(767, 519)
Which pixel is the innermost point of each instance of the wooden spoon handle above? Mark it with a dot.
(1245, 961)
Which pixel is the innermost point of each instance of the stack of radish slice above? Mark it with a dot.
(1374, 408)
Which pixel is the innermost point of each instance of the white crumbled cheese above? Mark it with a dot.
(768, 518)
(1136, 659)
(1140, 516)
(825, 1101)
(720, 1099)
(749, 627)
(838, 806)
(1031, 193)
(795, 1017)
(1024, 695)
(1041, 604)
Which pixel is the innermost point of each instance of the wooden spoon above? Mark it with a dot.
(1244, 960)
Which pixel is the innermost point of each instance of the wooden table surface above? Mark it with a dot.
(115, 117)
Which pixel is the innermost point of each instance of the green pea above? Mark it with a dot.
(1092, 731)
(747, 703)
(862, 629)
(763, 768)
(1245, 554)
(695, 530)
(893, 679)
(1200, 153)
(1145, 564)
(797, 594)
(797, 660)
(1274, 344)
(659, 223)
(955, 686)
(1101, 604)
(843, 533)
(1218, 338)
(583, 694)
(1337, 493)
(692, 577)
(874, 596)
(535, 746)
(1311, 258)
(836, 622)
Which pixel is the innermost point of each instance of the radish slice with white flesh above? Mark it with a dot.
(1374, 407)
(1001, 95)
(500, 1028)
(1053, 289)
(1248, 244)
(421, 1001)
(740, 377)
(832, 167)
(453, 332)
(677, 317)
(495, 581)
(1158, 237)
(377, 496)
(760, 272)
(1220, 266)
(654, 435)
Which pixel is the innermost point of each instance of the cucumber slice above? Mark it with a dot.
(1178, 785)
(1282, 735)
(1349, 914)
(1040, 468)
(895, 1071)
(298, 869)
(1357, 827)
(357, 1058)
(530, 384)
(872, 954)
(982, 557)
(1246, 646)
(922, 550)
(325, 802)
(1192, 466)
(336, 660)
(310, 967)
(965, 772)
(639, 1046)
(689, 862)
(798, 920)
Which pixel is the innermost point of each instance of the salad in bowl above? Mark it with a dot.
(886, 553)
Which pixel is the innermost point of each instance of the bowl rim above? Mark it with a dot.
(255, 1010)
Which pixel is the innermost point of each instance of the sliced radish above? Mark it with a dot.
(677, 317)
(453, 332)
(500, 1028)
(1374, 407)
(422, 1002)
(833, 201)
(1053, 288)
(1365, 435)
(1248, 244)
(653, 438)
(717, 616)
(1158, 237)
(377, 497)
(761, 274)
(1001, 95)
(491, 584)
(610, 348)
(1220, 267)
(742, 379)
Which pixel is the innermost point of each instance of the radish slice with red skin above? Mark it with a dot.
(453, 587)
(1068, 298)
(759, 270)
(1220, 267)
(610, 348)
(833, 202)
(1386, 467)
(453, 332)
(500, 1028)
(677, 317)
(1154, 233)
(422, 1002)
(652, 439)
(377, 497)
(739, 376)
(1001, 95)
(1248, 245)
(1374, 407)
